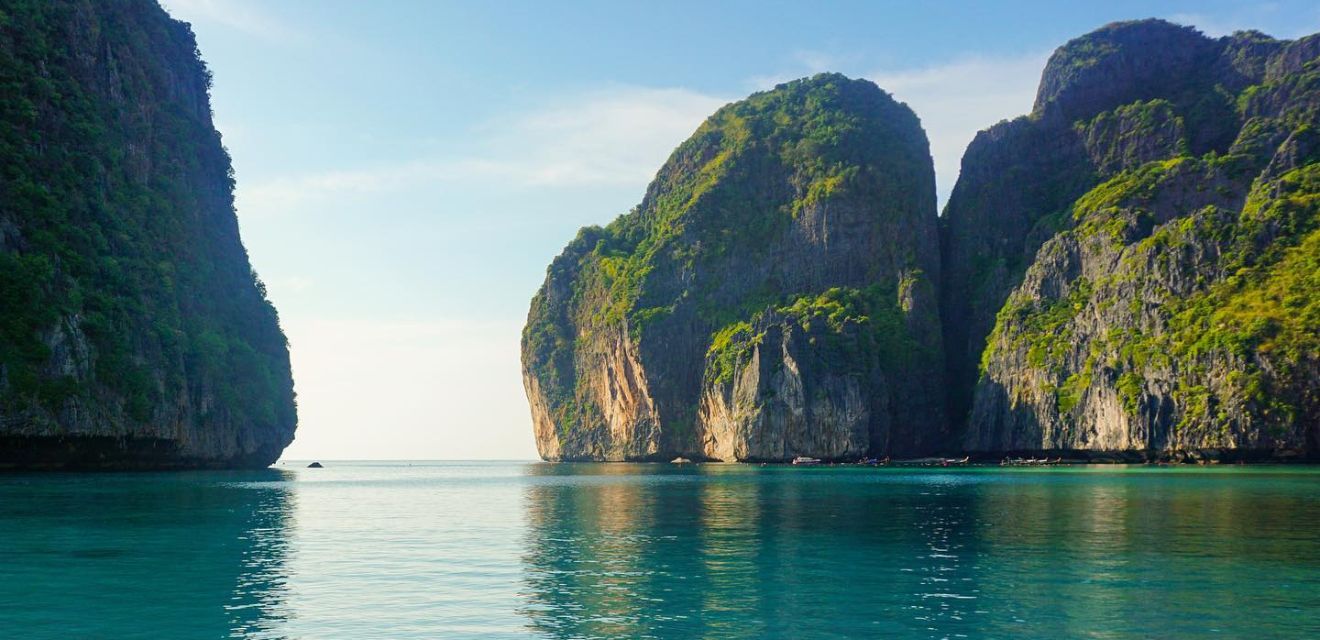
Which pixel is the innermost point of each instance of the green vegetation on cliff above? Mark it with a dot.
(128, 300)
(710, 201)
(823, 184)
(1132, 266)
(1185, 291)
(848, 326)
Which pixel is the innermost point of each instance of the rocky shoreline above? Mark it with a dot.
(109, 453)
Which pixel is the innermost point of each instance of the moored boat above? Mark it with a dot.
(1030, 462)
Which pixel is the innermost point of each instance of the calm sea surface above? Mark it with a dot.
(517, 550)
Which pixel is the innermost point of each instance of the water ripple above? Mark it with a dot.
(427, 550)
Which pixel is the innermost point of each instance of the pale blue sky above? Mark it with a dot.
(406, 170)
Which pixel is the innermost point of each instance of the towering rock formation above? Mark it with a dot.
(773, 295)
(1133, 267)
(1153, 287)
(133, 332)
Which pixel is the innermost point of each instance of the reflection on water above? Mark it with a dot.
(750, 552)
(745, 552)
(514, 550)
(142, 555)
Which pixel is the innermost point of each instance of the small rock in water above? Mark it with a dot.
(315, 465)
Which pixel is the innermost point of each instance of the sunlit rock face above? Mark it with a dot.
(1133, 267)
(1130, 268)
(773, 295)
(133, 332)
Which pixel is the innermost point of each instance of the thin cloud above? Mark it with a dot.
(292, 284)
(802, 63)
(1264, 17)
(620, 136)
(615, 137)
(609, 137)
(291, 192)
(233, 14)
(957, 99)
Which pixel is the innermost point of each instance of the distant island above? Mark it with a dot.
(1131, 270)
(133, 331)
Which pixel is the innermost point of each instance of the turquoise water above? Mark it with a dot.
(518, 550)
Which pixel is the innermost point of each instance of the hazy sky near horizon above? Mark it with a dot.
(407, 170)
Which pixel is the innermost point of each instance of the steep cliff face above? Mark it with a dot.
(1108, 101)
(713, 320)
(133, 333)
(1132, 267)
(841, 375)
(1167, 299)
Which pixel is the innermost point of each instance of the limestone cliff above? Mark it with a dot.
(1019, 178)
(773, 294)
(1167, 303)
(1132, 267)
(133, 333)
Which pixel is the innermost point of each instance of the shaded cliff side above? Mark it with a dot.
(1153, 286)
(133, 332)
(773, 294)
